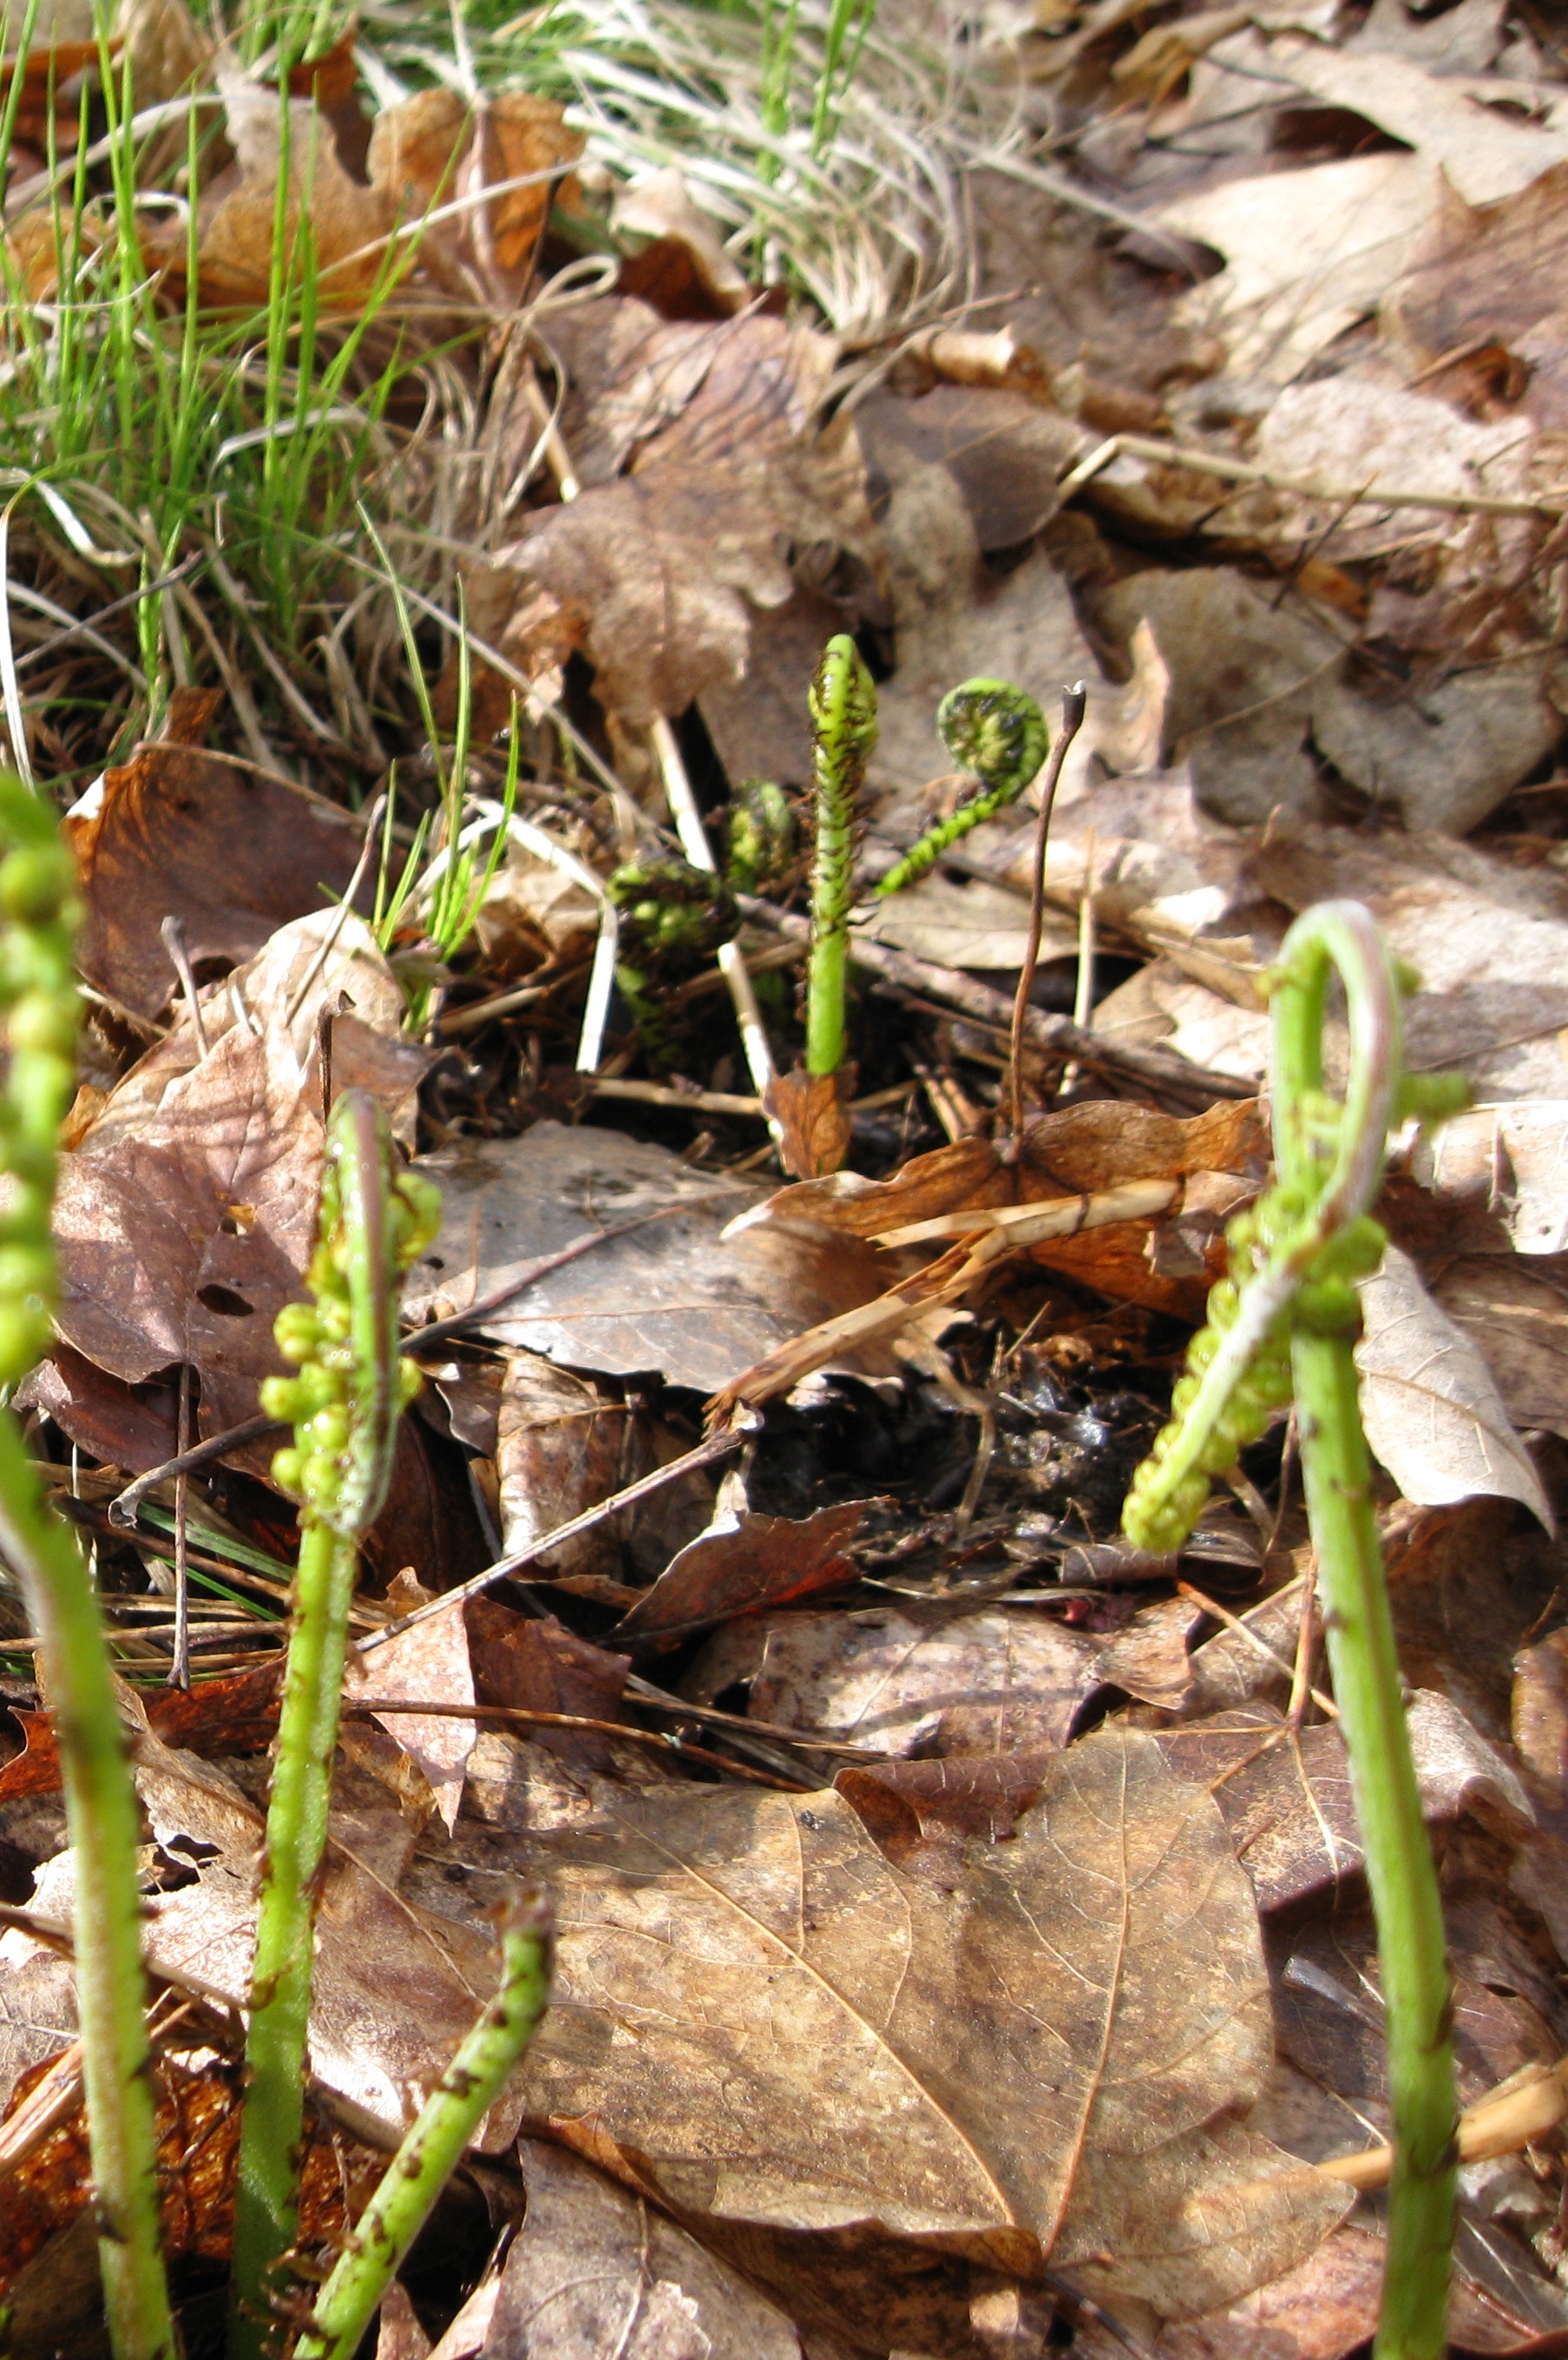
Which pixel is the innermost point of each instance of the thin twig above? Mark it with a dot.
(1553, 502)
(1073, 704)
(717, 1445)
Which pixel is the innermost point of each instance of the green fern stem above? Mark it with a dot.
(1287, 1319)
(1000, 735)
(38, 914)
(1358, 1626)
(437, 2141)
(345, 1402)
(843, 706)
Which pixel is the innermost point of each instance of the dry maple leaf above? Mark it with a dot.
(1034, 2047)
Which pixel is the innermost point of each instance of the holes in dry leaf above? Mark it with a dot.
(225, 1301)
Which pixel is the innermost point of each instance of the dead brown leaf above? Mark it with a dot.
(673, 1295)
(1488, 941)
(1428, 1402)
(1101, 1144)
(598, 2274)
(968, 2077)
(926, 1682)
(1516, 1311)
(714, 424)
(1286, 1795)
(437, 148)
(541, 1666)
(158, 840)
(561, 1444)
(810, 1109)
(1494, 274)
(743, 1563)
(182, 1240)
(431, 1663)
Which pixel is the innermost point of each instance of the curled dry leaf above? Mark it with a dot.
(1494, 275)
(596, 2274)
(1429, 1404)
(396, 1987)
(1286, 1795)
(1516, 1313)
(820, 2036)
(1098, 1146)
(1310, 252)
(432, 150)
(925, 1682)
(814, 1127)
(672, 1295)
(1488, 940)
(156, 838)
(1510, 1159)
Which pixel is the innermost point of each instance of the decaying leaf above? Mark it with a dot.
(743, 1563)
(669, 1296)
(544, 1667)
(187, 1214)
(970, 2073)
(814, 1128)
(1494, 274)
(1310, 252)
(432, 151)
(1489, 942)
(156, 840)
(1517, 1314)
(598, 2274)
(429, 1664)
(1286, 1795)
(1428, 1402)
(1513, 1159)
(698, 446)
(561, 1446)
(1099, 1145)
(907, 1681)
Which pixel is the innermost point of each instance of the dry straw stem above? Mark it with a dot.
(1552, 502)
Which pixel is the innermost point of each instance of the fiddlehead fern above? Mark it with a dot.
(998, 734)
(1287, 1321)
(842, 705)
(673, 918)
(760, 845)
(38, 914)
(345, 1402)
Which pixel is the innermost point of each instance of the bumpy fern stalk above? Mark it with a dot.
(842, 705)
(1287, 1319)
(345, 1404)
(38, 996)
(1000, 735)
(436, 2144)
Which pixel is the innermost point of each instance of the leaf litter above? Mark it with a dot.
(962, 1923)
